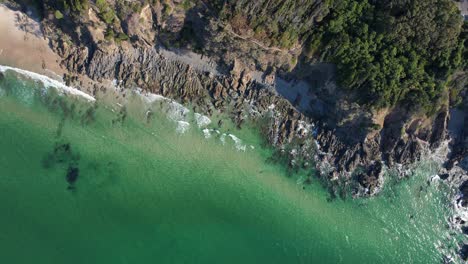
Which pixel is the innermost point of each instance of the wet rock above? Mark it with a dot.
(465, 230)
(72, 174)
(344, 148)
(439, 129)
(464, 252)
(444, 176)
(464, 191)
(370, 179)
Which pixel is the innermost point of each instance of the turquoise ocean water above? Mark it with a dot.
(101, 182)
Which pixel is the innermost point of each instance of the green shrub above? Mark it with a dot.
(106, 13)
(121, 37)
(187, 4)
(109, 34)
(58, 14)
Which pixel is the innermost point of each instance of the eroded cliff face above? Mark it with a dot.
(456, 167)
(229, 66)
(239, 74)
(340, 153)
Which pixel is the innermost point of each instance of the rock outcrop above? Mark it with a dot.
(348, 144)
(238, 95)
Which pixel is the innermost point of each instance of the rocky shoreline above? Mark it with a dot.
(349, 144)
(315, 125)
(344, 163)
(338, 155)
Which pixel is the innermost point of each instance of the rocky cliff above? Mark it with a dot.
(342, 154)
(184, 50)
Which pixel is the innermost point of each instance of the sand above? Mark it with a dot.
(23, 45)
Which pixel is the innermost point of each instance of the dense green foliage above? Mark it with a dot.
(62, 6)
(125, 8)
(67, 5)
(464, 41)
(276, 22)
(388, 51)
(106, 13)
(58, 14)
(392, 51)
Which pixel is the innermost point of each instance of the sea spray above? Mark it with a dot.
(48, 82)
(181, 115)
(182, 127)
(238, 143)
(202, 120)
(206, 133)
(147, 186)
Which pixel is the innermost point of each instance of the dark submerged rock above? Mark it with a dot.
(72, 174)
(465, 230)
(464, 252)
(444, 176)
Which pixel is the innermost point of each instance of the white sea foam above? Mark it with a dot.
(206, 133)
(237, 142)
(174, 111)
(177, 112)
(202, 120)
(148, 97)
(151, 97)
(48, 82)
(182, 127)
(304, 128)
(223, 138)
(435, 178)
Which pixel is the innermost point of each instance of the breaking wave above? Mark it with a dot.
(48, 82)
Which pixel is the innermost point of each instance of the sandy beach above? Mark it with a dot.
(22, 45)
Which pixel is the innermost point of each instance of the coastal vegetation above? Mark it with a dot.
(392, 51)
(276, 23)
(106, 13)
(67, 6)
(384, 57)
(58, 14)
(388, 52)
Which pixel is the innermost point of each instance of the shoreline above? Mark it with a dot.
(25, 46)
(48, 82)
(93, 70)
(43, 60)
(286, 202)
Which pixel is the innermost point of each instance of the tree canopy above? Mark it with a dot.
(392, 51)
